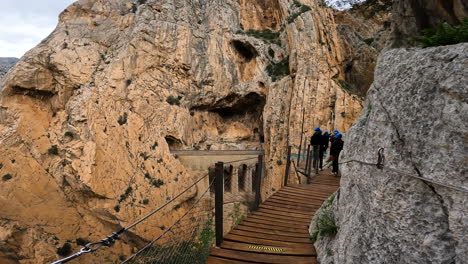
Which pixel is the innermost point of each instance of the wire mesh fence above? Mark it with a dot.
(187, 240)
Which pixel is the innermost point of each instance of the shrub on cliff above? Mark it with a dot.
(278, 70)
(444, 34)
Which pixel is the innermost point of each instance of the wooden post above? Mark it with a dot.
(307, 159)
(219, 186)
(309, 167)
(258, 181)
(288, 166)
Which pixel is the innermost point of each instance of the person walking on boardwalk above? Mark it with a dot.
(335, 149)
(333, 135)
(316, 141)
(323, 147)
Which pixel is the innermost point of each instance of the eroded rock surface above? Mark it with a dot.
(93, 111)
(417, 110)
(5, 64)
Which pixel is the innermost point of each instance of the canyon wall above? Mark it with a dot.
(95, 108)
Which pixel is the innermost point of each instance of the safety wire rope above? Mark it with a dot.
(167, 230)
(381, 165)
(111, 239)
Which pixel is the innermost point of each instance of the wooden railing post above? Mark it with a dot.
(258, 181)
(288, 166)
(307, 159)
(219, 186)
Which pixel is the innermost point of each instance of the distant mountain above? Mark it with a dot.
(343, 4)
(5, 64)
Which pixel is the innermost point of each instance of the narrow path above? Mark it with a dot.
(278, 232)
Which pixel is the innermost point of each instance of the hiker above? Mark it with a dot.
(335, 149)
(333, 135)
(316, 141)
(323, 147)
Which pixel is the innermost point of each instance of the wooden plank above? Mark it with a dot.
(216, 260)
(271, 231)
(291, 206)
(287, 210)
(275, 221)
(311, 203)
(274, 227)
(261, 258)
(282, 218)
(270, 237)
(298, 196)
(286, 214)
(263, 241)
(283, 250)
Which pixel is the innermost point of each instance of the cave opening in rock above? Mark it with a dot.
(245, 50)
(173, 143)
(250, 103)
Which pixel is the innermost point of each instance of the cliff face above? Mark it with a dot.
(411, 16)
(6, 64)
(417, 110)
(97, 105)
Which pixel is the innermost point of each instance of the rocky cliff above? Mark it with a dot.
(417, 111)
(5, 64)
(94, 110)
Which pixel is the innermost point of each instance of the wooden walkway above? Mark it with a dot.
(278, 232)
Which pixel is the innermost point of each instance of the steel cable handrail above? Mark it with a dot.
(169, 228)
(110, 240)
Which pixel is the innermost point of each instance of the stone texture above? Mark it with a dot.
(417, 110)
(85, 114)
(6, 64)
(411, 16)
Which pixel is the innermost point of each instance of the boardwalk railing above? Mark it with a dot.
(236, 194)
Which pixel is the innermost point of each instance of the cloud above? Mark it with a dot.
(25, 23)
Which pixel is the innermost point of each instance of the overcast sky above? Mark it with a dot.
(24, 23)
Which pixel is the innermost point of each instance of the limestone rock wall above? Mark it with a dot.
(93, 111)
(417, 110)
(411, 16)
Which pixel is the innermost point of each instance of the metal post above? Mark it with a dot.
(307, 159)
(316, 159)
(258, 181)
(219, 177)
(288, 166)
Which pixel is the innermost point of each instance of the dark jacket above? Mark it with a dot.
(324, 143)
(316, 138)
(336, 147)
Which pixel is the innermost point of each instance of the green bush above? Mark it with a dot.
(444, 34)
(266, 35)
(301, 9)
(278, 70)
(173, 100)
(53, 150)
(65, 250)
(69, 134)
(325, 224)
(127, 193)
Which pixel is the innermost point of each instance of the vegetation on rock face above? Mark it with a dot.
(349, 88)
(126, 194)
(53, 150)
(122, 119)
(172, 100)
(325, 224)
(65, 250)
(155, 182)
(444, 34)
(301, 9)
(266, 35)
(278, 70)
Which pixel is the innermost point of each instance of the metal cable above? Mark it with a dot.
(110, 240)
(380, 165)
(169, 229)
(234, 161)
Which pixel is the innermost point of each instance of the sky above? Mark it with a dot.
(25, 23)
